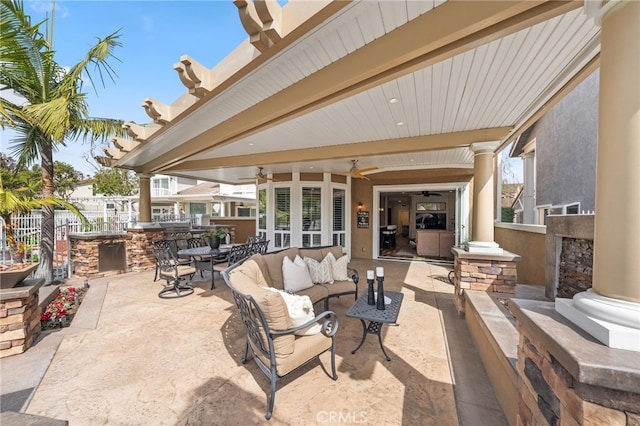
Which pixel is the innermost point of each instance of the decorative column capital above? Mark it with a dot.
(484, 147)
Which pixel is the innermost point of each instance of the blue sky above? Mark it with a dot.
(154, 34)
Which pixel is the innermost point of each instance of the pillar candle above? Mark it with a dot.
(370, 274)
(380, 271)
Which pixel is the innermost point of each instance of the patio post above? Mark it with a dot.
(145, 197)
(483, 191)
(610, 310)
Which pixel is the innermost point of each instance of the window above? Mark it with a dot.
(197, 208)
(262, 209)
(283, 209)
(282, 218)
(339, 235)
(160, 187)
(245, 212)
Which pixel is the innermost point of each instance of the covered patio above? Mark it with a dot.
(426, 93)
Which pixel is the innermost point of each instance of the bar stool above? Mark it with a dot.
(389, 239)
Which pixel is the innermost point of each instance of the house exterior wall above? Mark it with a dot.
(566, 144)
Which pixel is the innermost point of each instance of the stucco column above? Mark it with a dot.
(145, 197)
(528, 194)
(610, 311)
(483, 196)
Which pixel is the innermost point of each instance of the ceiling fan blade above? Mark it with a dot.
(368, 169)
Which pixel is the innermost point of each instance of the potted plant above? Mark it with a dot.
(215, 236)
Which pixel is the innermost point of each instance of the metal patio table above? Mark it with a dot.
(205, 257)
(377, 318)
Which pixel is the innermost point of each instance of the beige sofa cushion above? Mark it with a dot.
(273, 263)
(338, 287)
(315, 293)
(244, 279)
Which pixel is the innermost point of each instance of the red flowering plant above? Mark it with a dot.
(55, 315)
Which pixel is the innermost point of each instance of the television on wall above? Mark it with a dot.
(431, 221)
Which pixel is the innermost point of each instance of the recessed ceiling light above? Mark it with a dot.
(400, 123)
(250, 143)
(393, 101)
(412, 160)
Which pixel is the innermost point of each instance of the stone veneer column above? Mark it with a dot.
(483, 191)
(145, 197)
(610, 311)
(19, 317)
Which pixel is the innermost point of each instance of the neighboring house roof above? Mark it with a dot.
(210, 188)
(519, 144)
(510, 193)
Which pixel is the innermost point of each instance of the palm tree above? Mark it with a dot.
(54, 107)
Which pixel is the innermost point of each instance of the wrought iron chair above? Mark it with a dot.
(236, 254)
(265, 339)
(259, 246)
(173, 272)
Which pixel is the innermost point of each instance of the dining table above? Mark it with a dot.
(205, 257)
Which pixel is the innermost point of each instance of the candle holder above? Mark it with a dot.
(380, 296)
(371, 300)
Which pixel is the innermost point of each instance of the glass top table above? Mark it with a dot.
(376, 317)
(205, 257)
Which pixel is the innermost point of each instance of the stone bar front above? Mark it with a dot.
(483, 272)
(19, 317)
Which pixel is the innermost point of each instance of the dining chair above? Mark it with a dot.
(173, 273)
(236, 254)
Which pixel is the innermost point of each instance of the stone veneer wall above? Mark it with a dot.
(483, 272)
(140, 249)
(138, 246)
(566, 378)
(19, 318)
(576, 228)
(575, 273)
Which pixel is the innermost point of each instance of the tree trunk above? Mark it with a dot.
(45, 269)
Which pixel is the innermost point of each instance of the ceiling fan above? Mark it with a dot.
(429, 193)
(260, 176)
(358, 173)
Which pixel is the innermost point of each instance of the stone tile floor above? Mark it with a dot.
(133, 358)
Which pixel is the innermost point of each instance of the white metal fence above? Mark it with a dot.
(27, 230)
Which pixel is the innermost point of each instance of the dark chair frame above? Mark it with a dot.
(236, 254)
(173, 273)
(260, 337)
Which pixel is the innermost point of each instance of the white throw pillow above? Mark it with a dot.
(339, 267)
(295, 274)
(300, 311)
(320, 271)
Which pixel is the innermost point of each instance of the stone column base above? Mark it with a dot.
(484, 272)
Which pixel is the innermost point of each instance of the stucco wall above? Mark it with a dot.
(566, 145)
(529, 242)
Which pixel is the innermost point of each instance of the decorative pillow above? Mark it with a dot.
(320, 271)
(295, 274)
(300, 311)
(339, 267)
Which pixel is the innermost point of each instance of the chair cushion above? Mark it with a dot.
(295, 274)
(320, 271)
(306, 348)
(272, 305)
(273, 263)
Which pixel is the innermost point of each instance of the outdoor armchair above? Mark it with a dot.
(271, 339)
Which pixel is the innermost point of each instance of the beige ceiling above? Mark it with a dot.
(457, 72)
